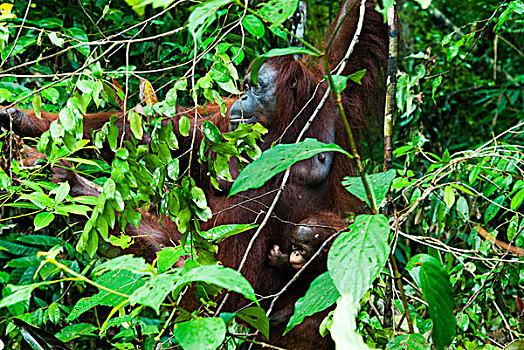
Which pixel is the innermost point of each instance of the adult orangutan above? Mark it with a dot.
(283, 101)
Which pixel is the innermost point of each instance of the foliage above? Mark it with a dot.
(441, 265)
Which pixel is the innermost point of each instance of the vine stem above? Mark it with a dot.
(83, 278)
(389, 113)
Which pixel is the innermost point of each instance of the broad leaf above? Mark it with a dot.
(494, 208)
(200, 333)
(343, 328)
(43, 219)
(61, 192)
(256, 317)
(365, 245)
(254, 26)
(18, 293)
(124, 262)
(218, 233)
(221, 276)
(378, 184)
(135, 122)
(76, 330)
(278, 159)
(154, 291)
(449, 196)
(202, 16)
(433, 280)
(168, 256)
(321, 294)
(277, 11)
(122, 281)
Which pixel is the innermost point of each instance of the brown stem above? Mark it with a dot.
(354, 151)
(402, 294)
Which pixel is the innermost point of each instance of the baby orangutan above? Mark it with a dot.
(306, 239)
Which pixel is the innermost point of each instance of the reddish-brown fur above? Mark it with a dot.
(300, 198)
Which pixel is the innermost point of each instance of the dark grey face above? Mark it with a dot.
(258, 103)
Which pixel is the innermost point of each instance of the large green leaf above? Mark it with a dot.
(357, 256)
(378, 184)
(124, 262)
(221, 276)
(438, 293)
(154, 291)
(343, 328)
(201, 333)
(18, 293)
(76, 330)
(122, 281)
(278, 159)
(321, 294)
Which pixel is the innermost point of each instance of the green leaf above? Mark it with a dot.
(18, 293)
(124, 262)
(154, 292)
(173, 168)
(343, 329)
(75, 331)
(122, 281)
(494, 208)
(366, 246)
(73, 209)
(55, 39)
(462, 209)
(378, 184)
(433, 280)
(202, 16)
(357, 76)
(37, 105)
(221, 276)
(256, 317)
(449, 196)
(321, 294)
(135, 122)
(212, 133)
(43, 219)
(168, 256)
(434, 85)
(408, 341)
(61, 192)
(257, 63)
(278, 159)
(183, 125)
(516, 201)
(339, 81)
(200, 333)
(216, 234)
(278, 11)
(254, 26)
(39, 199)
(112, 137)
